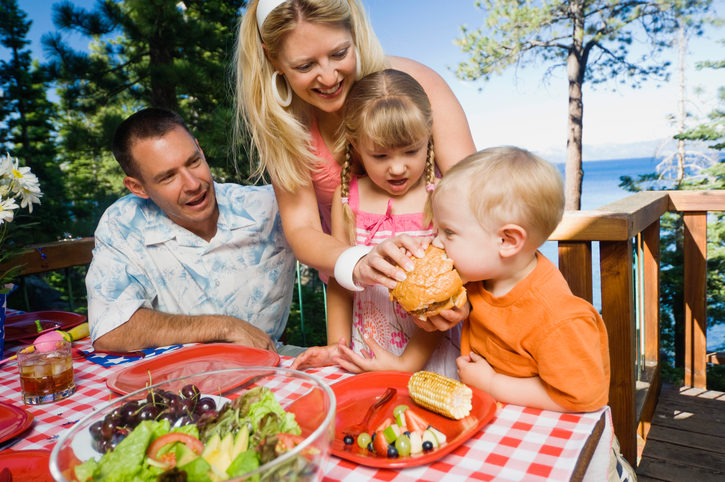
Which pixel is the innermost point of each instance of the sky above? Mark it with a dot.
(518, 107)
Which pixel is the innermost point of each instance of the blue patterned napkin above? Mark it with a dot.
(108, 360)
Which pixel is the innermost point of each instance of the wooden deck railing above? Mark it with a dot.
(627, 230)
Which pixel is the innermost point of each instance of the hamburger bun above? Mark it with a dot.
(431, 287)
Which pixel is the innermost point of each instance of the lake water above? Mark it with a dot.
(600, 187)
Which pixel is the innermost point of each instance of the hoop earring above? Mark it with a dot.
(358, 65)
(275, 91)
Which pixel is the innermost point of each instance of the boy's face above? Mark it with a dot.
(474, 251)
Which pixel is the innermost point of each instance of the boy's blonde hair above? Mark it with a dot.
(509, 185)
(390, 110)
(280, 136)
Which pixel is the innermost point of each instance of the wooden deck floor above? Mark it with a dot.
(686, 441)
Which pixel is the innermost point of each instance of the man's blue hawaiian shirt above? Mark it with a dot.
(143, 259)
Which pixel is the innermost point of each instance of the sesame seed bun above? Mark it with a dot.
(433, 286)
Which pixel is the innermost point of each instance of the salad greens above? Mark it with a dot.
(244, 434)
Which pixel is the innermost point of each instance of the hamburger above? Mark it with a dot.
(431, 287)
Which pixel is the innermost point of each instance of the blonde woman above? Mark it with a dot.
(296, 61)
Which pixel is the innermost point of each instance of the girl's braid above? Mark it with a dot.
(429, 179)
(347, 214)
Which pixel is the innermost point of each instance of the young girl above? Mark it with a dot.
(387, 177)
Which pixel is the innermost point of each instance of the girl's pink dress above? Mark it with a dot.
(373, 311)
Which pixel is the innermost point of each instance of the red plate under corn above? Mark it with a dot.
(355, 394)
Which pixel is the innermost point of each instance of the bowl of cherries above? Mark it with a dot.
(275, 424)
(187, 406)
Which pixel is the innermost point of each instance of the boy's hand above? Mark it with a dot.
(383, 264)
(474, 370)
(379, 359)
(445, 320)
(317, 356)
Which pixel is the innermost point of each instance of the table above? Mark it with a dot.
(519, 444)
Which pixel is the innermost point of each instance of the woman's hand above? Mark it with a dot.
(383, 264)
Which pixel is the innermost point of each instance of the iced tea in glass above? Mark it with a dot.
(46, 371)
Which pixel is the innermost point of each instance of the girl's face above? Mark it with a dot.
(319, 63)
(394, 170)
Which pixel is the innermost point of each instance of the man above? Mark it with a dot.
(183, 259)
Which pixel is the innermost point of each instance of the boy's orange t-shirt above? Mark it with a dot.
(540, 328)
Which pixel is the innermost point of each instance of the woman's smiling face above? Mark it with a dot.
(319, 62)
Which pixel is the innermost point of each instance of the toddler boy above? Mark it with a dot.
(528, 340)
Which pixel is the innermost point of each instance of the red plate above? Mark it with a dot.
(188, 361)
(22, 327)
(26, 465)
(13, 421)
(356, 394)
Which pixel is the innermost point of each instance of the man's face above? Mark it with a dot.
(174, 174)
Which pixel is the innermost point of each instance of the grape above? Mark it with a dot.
(348, 440)
(363, 440)
(95, 430)
(399, 409)
(402, 444)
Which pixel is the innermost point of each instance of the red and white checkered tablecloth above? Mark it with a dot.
(519, 444)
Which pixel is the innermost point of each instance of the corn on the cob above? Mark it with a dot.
(440, 394)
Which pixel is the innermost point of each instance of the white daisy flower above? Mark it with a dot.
(6, 166)
(7, 210)
(28, 198)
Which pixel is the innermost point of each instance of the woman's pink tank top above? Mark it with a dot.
(325, 178)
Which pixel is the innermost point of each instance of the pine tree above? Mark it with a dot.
(26, 129)
(590, 40)
(142, 53)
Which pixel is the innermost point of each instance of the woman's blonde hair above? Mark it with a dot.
(509, 185)
(388, 109)
(280, 137)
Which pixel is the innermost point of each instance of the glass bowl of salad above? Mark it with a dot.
(262, 423)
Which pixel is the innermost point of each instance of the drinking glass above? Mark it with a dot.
(46, 371)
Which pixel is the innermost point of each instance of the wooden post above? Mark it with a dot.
(618, 313)
(575, 263)
(695, 275)
(650, 256)
(651, 274)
